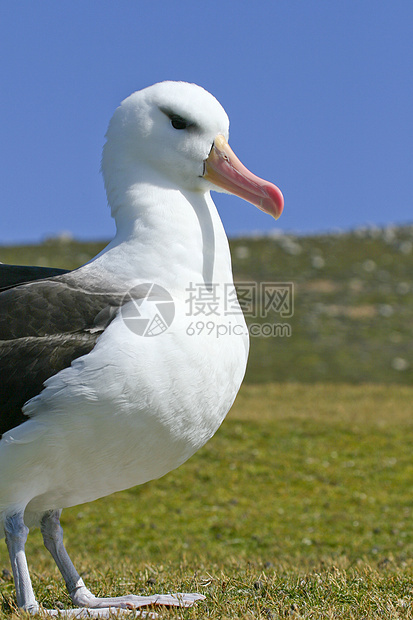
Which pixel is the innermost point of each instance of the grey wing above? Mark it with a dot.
(26, 363)
(11, 275)
(44, 326)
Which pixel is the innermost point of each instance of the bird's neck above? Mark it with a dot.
(167, 236)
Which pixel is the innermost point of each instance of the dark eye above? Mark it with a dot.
(178, 122)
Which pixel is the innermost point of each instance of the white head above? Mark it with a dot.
(174, 134)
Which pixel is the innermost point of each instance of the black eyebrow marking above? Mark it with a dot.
(173, 116)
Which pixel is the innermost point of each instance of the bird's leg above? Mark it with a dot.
(16, 535)
(52, 533)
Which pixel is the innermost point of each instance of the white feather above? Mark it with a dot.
(135, 408)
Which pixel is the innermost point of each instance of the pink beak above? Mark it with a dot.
(224, 169)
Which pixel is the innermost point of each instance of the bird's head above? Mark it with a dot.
(179, 133)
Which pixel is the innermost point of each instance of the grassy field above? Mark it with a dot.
(353, 294)
(300, 507)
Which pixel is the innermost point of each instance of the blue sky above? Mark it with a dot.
(319, 94)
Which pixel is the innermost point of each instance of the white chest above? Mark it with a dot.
(138, 407)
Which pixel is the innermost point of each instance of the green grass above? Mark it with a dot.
(300, 507)
(353, 312)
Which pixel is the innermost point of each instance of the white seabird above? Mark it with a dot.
(116, 373)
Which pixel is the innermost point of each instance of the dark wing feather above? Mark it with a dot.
(11, 275)
(52, 306)
(26, 363)
(44, 326)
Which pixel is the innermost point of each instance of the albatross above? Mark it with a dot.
(105, 381)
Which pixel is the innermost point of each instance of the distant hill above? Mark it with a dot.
(353, 301)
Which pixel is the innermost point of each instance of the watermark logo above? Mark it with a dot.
(148, 310)
(277, 297)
